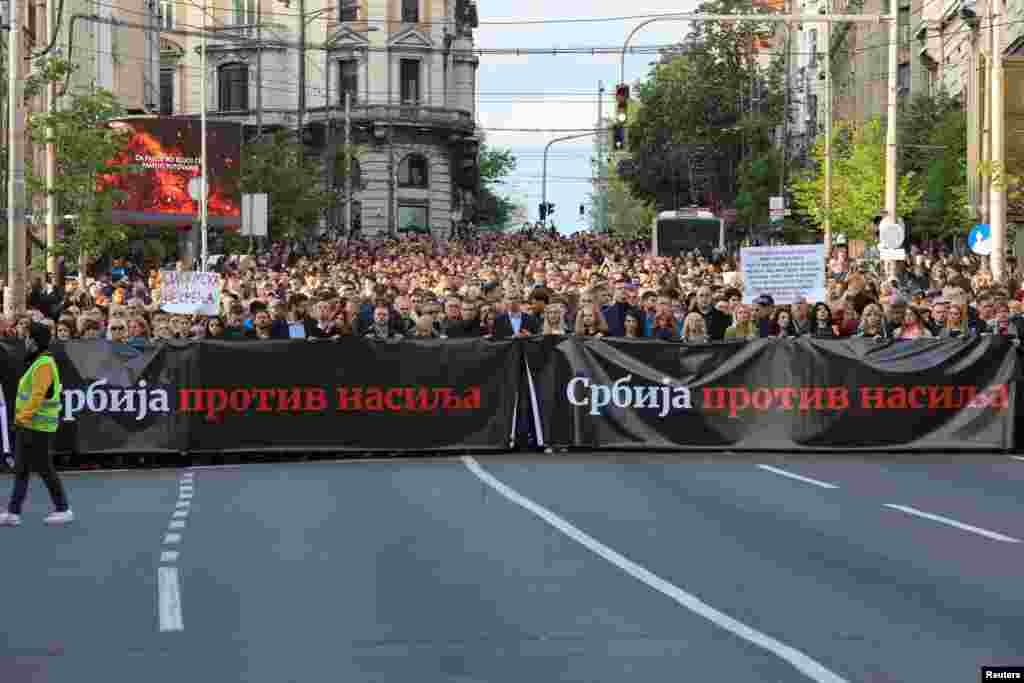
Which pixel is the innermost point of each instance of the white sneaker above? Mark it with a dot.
(59, 517)
(7, 519)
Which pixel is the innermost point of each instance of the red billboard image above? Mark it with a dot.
(165, 153)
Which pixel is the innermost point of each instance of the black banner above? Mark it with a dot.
(433, 395)
(778, 394)
(353, 394)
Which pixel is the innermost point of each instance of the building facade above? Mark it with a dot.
(406, 67)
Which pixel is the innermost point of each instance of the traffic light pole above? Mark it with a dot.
(544, 181)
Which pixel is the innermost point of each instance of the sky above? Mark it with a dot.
(550, 93)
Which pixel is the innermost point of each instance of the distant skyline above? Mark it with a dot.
(554, 92)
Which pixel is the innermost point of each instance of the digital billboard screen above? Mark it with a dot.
(165, 153)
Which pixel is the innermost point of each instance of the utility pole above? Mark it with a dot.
(203, 188)
(890, 155)
(828, 135)
(785, 110)
(330, 158)
(601, 224)
(997, 189)
(51, 160)
(14, 299)
(348, 163)
(259, 77)
(302, 75)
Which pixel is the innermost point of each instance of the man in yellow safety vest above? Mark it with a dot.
(36, 418)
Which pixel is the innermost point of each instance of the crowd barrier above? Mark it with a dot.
(476, 395)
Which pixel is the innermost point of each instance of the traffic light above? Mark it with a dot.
(551, 208)
(621, 102)
(582, 210)
(542, 210)
(619, 136)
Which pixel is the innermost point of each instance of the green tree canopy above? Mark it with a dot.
(84, 145)
(858, 181)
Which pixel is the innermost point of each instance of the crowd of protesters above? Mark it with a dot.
(500, 286)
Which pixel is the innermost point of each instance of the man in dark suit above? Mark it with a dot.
(513, 322)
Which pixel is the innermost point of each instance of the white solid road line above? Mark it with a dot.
(180, 514)
(183, 503)
(169, 556)
(807, 666)
(171, 539)
(177, 524)
(169, 592)
(806, 480)
(952, 522)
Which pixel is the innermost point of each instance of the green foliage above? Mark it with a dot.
(758, 181)
(858, 181)
(84, 145)
(628, 216)
(45, 70)
(495, 165)
(276, 166)
(710, 92)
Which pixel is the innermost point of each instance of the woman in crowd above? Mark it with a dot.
(873, 323)
(744, 327)
(695, 330)
(822, 325)
(957, 323)
(554, 319)
(914, 325)
(784, 323)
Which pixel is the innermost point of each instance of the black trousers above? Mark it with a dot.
(33, 451)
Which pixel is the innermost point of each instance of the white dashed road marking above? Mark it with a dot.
(801, 662)
(806, 480)
(952, 522)
(168, 578)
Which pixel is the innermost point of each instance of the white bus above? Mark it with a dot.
(687, 230)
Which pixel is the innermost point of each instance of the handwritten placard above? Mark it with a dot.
(785, 273)
(189, 292)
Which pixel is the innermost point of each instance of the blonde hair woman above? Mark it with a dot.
(872, 322)
(554, 319)
(695, 330)
(744, 327)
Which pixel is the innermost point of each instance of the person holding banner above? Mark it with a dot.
(37, 416)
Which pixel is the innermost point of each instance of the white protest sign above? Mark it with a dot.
(784, 273)
(189, 292)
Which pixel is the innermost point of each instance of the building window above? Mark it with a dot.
(348, 74)
(166, 91)
(233, 82)
(412, 218)
(412, 172)
(244, 13)
(812, 46)
(348, 10)
(410, 78)
(903, 79)
(30, 24)
(411, 11)
(167, 14)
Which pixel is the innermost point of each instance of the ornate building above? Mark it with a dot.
(406, 66)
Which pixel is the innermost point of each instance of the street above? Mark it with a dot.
(599, 568)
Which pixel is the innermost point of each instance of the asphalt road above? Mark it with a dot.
(589, 569)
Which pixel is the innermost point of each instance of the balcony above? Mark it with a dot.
(403, 115)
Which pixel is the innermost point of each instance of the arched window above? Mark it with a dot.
(411, 11)
(357, 175)
(233, 87)
(412, 172)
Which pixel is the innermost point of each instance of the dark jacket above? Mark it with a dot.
(503, 325)
(615, 315)
(717, 323)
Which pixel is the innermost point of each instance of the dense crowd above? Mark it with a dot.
(499, 286)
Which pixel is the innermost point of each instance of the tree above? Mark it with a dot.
(858, 181)
(276, 166)
(84, 146)
(493, 207)
(704, 104)
(628, 216)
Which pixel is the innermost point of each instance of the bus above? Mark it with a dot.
(687, 230)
